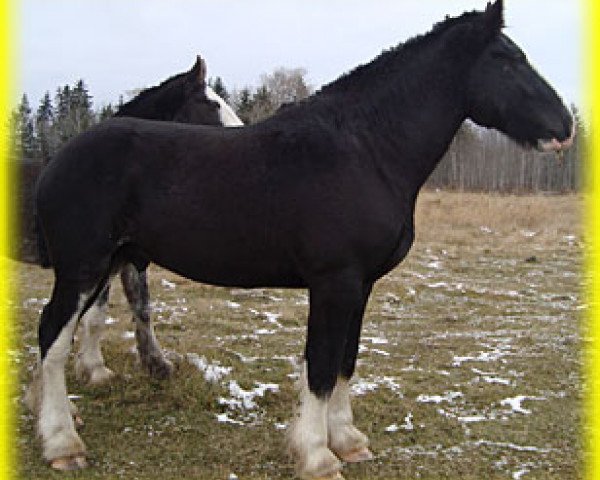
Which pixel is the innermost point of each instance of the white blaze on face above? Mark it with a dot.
(226, 113)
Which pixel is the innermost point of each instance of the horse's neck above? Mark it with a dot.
(410, 122)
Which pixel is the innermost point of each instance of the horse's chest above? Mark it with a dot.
(399, 251)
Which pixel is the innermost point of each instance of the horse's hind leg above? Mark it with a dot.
(89, 365)
(135, 286)
(333, 302)
(345, 440)
(61, 443)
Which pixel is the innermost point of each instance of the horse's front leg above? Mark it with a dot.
(345, 440)
(333, 302)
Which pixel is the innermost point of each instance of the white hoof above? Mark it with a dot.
(64, 464)
(357, 456)
(93, 375)
(100, 376)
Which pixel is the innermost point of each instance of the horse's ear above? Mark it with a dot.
(494, 16)
(199, 70)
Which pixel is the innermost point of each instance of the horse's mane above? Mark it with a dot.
(393, 59)
(168, 89)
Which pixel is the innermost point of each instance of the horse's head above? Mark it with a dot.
(505, 92)
(200, 104)
(195, 106)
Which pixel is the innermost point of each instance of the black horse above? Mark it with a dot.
(319, 196)
(186, 98)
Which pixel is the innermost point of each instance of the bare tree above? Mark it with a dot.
(283, 85)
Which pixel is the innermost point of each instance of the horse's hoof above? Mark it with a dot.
(356, 456)
(160, 368)
(333, 476)
(100, 376)
(76, 462)
(93, 376)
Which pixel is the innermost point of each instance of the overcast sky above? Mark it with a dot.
(119, 45)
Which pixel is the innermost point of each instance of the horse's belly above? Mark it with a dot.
(245, 265)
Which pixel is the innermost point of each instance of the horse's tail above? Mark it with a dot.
(43, 256)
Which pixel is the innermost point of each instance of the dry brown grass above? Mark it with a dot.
(487, 304)
(455, 217)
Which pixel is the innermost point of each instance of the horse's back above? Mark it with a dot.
(262, 205)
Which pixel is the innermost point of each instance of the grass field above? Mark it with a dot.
(469, 366)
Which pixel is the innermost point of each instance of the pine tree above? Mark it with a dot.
(262, 105)
(63, 128)
(243, 104)
(219, 87)
(43, 126)
(105, 112)
(73, 110)
(25, 142)
(81, 107)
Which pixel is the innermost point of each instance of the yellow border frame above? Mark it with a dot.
(591, 332)
(7, 222)
(591, 417)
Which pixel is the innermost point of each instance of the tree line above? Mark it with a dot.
(478, 159)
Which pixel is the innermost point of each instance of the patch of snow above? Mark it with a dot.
(446, 397)
(438, 285)
(408, 425)
(471, 418)
(490, 356)
(273, 318)
(498, 380)
(392, 428)
(264, 331)
(515, 403)
(435, 264)
(377, 340)
(224, 418)
(165, 283)
(379, 352)
(244, 399)
(213, 372)
(519, 473)
(361, 387)
(243, 358)
(511, 446)
(233, 305)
